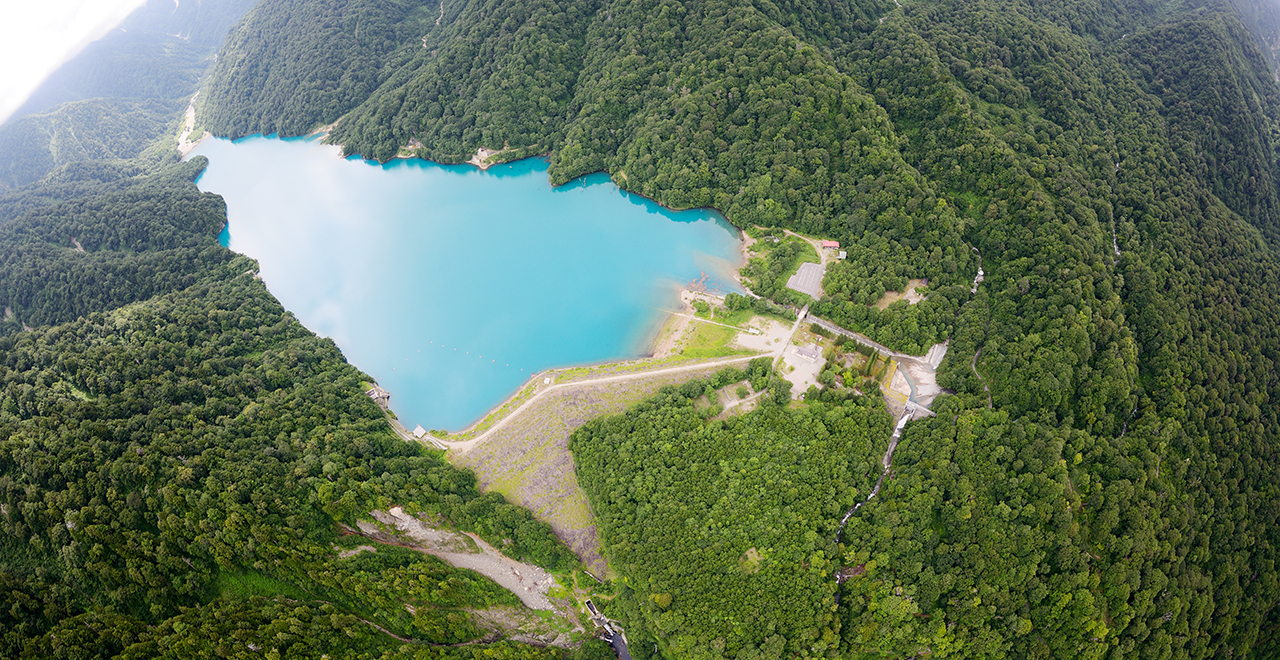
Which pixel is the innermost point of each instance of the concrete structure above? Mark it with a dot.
(379, 396)
(810, 352)
(808, 280)
(612, 632)
(800, 366)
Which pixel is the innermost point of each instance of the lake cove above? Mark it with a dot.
(450, 285)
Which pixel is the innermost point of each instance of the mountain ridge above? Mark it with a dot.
(1098, 482)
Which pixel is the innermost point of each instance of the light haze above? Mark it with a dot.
(36, 36)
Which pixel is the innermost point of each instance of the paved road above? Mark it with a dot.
(466, 445)
(863, 339)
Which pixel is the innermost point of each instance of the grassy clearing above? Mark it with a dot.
(246, 584)
(709, 341)
(808, 255)
(737, 318)
(578, 374)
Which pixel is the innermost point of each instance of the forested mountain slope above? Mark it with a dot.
(1224, 132)
(177, 452)
(118, 95)
(1112, 164)
(159, 51)
(110, 245)
(94, 129)
(167, 431)
(330, 61)
(1262, 18)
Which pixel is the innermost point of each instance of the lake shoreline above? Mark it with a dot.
(425, 225)
(532, 385)
(323, 133)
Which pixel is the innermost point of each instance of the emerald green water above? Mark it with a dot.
(452, 286)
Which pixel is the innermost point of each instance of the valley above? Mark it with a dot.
(579, 329)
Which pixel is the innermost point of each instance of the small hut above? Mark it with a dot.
(379, 396)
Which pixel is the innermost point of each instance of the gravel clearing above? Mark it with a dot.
(528, 460)
(528, 582)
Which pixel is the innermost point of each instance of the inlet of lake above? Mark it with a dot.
(449, 285)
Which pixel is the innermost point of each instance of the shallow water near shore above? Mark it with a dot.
(452, 286)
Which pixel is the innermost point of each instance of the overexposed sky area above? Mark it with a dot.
(38, 35)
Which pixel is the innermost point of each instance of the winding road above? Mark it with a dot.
(817, 245)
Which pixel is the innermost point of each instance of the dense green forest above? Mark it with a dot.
(330, 62)
(725, 529)
(138, 238)
(1120, 499)
(1098, 482)
(1262, 19)
(1113, 164)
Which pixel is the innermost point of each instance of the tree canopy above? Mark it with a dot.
(1099, 478)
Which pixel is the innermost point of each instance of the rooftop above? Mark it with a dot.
(810, 352)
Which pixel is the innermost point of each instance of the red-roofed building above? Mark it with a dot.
(834, 245)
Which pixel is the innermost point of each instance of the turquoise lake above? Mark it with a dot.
(450, 285)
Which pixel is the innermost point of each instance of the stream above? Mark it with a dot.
(977, 279)
(887, 462)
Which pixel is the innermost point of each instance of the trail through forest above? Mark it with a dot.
(973, 364)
